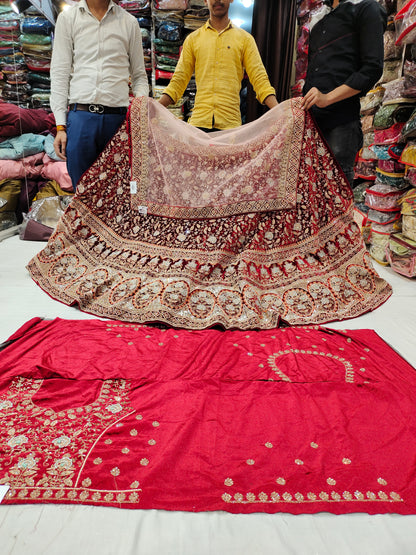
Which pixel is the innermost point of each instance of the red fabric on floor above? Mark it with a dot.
(297, 420)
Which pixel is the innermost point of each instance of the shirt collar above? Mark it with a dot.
(209, 26)
(83, 4)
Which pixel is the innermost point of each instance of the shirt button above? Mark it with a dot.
(317, 69)
(323, 32)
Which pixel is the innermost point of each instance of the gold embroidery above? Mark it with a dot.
(62, 456)
(349, 371)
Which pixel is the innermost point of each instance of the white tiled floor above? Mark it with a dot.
(63, 529)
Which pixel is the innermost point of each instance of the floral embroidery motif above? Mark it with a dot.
(306, 264)
(187, 184)
(54, 470)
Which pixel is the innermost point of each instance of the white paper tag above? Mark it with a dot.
(142, 210)
(133, 187)
(3, 491)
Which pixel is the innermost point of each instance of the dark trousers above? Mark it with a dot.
(345, 141)
(87, 136)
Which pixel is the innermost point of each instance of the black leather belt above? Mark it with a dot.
(97, 109)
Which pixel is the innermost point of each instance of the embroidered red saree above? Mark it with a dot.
(298, 419)
(240, 228)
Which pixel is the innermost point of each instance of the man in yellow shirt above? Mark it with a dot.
(219, 53)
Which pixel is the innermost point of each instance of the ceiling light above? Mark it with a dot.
(237, 21)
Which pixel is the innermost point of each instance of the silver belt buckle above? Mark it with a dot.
(96, 108)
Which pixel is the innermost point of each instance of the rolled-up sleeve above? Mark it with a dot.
(372, 24)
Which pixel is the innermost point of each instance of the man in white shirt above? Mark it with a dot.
(97, 46)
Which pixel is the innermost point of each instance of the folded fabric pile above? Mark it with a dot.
(196, 14)
(36, 45)
(386, 166)
(145, 22)
(14, 83)
(168, 16)
(27, 160)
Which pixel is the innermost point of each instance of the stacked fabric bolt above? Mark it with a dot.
(398, 114)
(170, 32)
(401, 249)
(15, 87)
(145, 22)
(195, 16)
(387, 115)
(27, 160)
(382, 197)
(141, 10)
(169, 35)
(36, 43)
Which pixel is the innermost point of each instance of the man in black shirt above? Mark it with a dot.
(345, 60)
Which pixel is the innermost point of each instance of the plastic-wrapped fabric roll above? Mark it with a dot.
(36, 25)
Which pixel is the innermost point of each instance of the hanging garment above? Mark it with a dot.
(241, 228)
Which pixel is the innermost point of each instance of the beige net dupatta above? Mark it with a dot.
(179, 171)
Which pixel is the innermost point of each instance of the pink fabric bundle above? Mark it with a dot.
(37, 165)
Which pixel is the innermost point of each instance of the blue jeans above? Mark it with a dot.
(345, 141)
(87, 136)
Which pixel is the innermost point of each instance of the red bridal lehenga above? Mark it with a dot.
(240, 228)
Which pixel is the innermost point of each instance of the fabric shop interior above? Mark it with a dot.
(197, 347)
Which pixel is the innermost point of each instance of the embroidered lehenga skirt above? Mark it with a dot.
(245, 228)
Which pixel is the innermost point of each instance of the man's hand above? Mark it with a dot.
(270, 101)
(59, 144)
(165, 100)
(314, 97)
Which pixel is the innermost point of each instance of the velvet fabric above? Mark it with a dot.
(169, 227)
